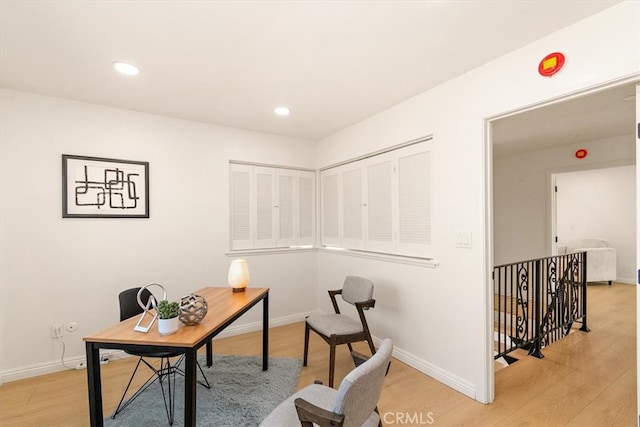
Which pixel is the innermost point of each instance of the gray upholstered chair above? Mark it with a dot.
(338, 328)
(354, 404)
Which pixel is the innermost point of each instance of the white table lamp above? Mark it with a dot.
(238, 275)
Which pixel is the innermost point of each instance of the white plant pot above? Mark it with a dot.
(168, 326)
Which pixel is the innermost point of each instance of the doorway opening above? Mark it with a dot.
(530, 148)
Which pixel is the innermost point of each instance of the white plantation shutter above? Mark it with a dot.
(379, 207)
(330, 209)
(306, 208)
(240, 207)
(414, 203)
(271, 207)
(352, 208)
(285, 210)
(265, 186)
(381, 203)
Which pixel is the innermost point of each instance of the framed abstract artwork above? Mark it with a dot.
(95, 187)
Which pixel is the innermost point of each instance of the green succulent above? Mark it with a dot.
(168, 310)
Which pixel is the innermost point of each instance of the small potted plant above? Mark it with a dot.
(168, 313)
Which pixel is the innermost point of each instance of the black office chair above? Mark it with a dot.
(129, 307)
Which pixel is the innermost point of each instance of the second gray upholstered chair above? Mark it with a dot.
(354, 404)
(339, 328)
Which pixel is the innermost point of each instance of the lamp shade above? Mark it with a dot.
(238, 275)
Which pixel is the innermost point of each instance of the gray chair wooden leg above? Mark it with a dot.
(371, 346)
(332, 359)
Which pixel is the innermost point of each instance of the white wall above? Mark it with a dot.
(447, 308)
(439, 317)
(521, 193)
(600, 203)
(60, 270)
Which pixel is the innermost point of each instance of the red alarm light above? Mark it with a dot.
(581, 153)
(551, 64)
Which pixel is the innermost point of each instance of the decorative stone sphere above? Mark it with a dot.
(193, 308)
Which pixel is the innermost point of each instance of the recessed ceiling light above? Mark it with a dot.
(282, 111)
(126, 69)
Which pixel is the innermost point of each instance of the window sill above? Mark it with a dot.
(273, 251)
(399, 259)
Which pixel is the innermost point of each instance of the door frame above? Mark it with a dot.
(488, 256)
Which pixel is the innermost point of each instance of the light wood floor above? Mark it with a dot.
(584, 380)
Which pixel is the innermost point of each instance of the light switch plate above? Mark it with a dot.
(463, 239)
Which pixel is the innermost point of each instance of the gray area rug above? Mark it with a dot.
(241, 394)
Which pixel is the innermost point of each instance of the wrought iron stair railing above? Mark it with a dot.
(536, 302)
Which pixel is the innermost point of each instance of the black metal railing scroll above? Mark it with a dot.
(536, 302)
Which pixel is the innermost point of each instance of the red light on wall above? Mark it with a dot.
(581, 154)
(551, 64)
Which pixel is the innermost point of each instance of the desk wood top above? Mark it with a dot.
(223, 304)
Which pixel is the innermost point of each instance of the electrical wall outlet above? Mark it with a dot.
(57, 330)
(83, 365)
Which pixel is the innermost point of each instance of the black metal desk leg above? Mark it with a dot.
(95, 386)
(265, 332)
(209, 346)
(190, 387)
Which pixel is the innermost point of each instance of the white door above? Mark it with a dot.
(599, 204)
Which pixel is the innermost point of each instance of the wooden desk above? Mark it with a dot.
(224, 307)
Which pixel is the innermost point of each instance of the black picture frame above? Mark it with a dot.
(97, 187)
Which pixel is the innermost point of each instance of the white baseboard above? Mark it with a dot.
(57, 366)
(52, 367)
(447, 378)
(421, 365)
(39, 369)
(257, 326)
(626, 280)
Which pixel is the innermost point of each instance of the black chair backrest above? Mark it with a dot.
(129, 306)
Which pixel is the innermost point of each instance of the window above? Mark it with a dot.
(271, 207)
(381, 203)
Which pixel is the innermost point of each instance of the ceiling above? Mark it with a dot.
(600, 115)
(334, 63)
